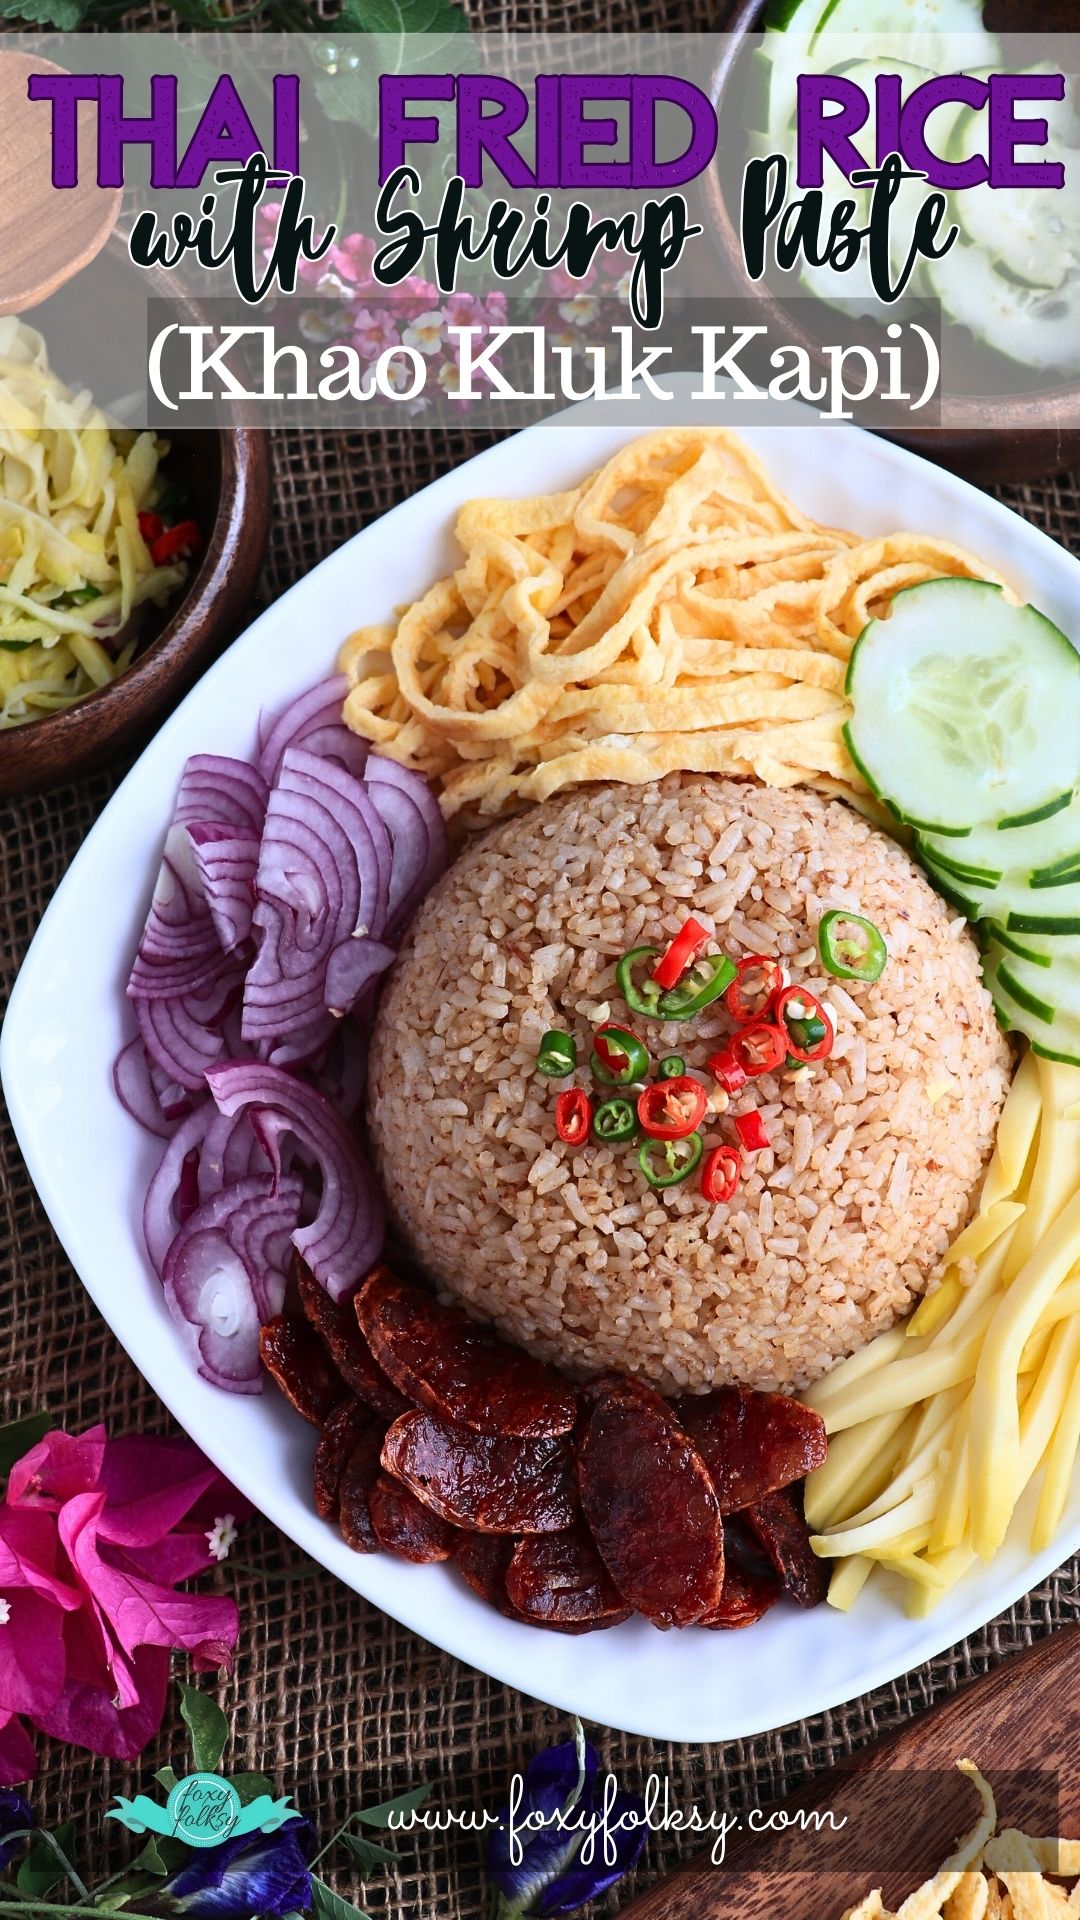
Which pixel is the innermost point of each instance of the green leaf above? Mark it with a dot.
(132, 1887)
(41, 1871)
(368, 1854)
(207, 1725)
(354, 95)
(380, 1816)
(330, 1905)
(394, 17)
(64, 14)
(161, 1855)
(18, 1436)
(250, 1785)
(166, 1777)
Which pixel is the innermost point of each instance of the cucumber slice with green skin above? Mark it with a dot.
(1042, 851)
(1064, 875)
(950, 692)
(1022, 910)
(1029, 1002)
(970, 905)
(941, 36)
(1032, 819)
(937, 855)
(1056, 1039)
(1037, 326)
(1067, 1050)
(1053, 996)
(1038, 948)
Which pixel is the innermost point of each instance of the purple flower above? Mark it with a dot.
(15, 1817)
(263, 1873)
(565, 1835)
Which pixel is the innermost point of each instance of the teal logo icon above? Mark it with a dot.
(202, 1810)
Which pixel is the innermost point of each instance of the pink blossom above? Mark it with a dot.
(95, 1535)
(560, 285)
(418, 293)
(351, 257)
(374, 331)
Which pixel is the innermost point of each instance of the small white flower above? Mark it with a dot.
(5, 1612)
(425, 332)
(581, 311)
(221, 1536)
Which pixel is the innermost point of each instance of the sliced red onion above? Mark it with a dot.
(226, 860)
(413, 819)
(187, 1193)
(136, 1092)
(230, 1152)
(261, 1233)
(345, 1238)
(224, 1277)
(313, 722)
(215, 787)
(307, 1047)
(323, 884)
(179, 951)
(177, 1041)
(160, 1219)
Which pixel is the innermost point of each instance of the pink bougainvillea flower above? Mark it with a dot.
(16, 1751)
(95, 1534)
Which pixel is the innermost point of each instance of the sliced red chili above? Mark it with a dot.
(806, 1027)
(760, 1047)
(727, 1070)
(676, 957)
(750, 1128)
(183, 538)
(670, 1109)
(757, 978)
(720, 1174)
(573, 1116)
(151, 526)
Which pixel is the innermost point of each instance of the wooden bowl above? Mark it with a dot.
(1022, 438)
(226, 474)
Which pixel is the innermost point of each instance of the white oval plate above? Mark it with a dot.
(91, 1163)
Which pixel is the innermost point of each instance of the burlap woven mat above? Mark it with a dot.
(338, 1703)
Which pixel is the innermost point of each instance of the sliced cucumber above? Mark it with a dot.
(1031, 233)
(1039, 851)
(941, 36)
(950, 693)
(1038, 326)
(1051, 997)
(935, 850)
(1038, 948)
(1055, 1038)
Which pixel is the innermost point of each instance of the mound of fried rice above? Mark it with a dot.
(874, 1163)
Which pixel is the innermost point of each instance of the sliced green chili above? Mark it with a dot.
(618, 1057)
(706, 980)
(641, 995)
(851, 948)
(558, 1054)
(671, 1067)
(665, 1163)
(615, 1121)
